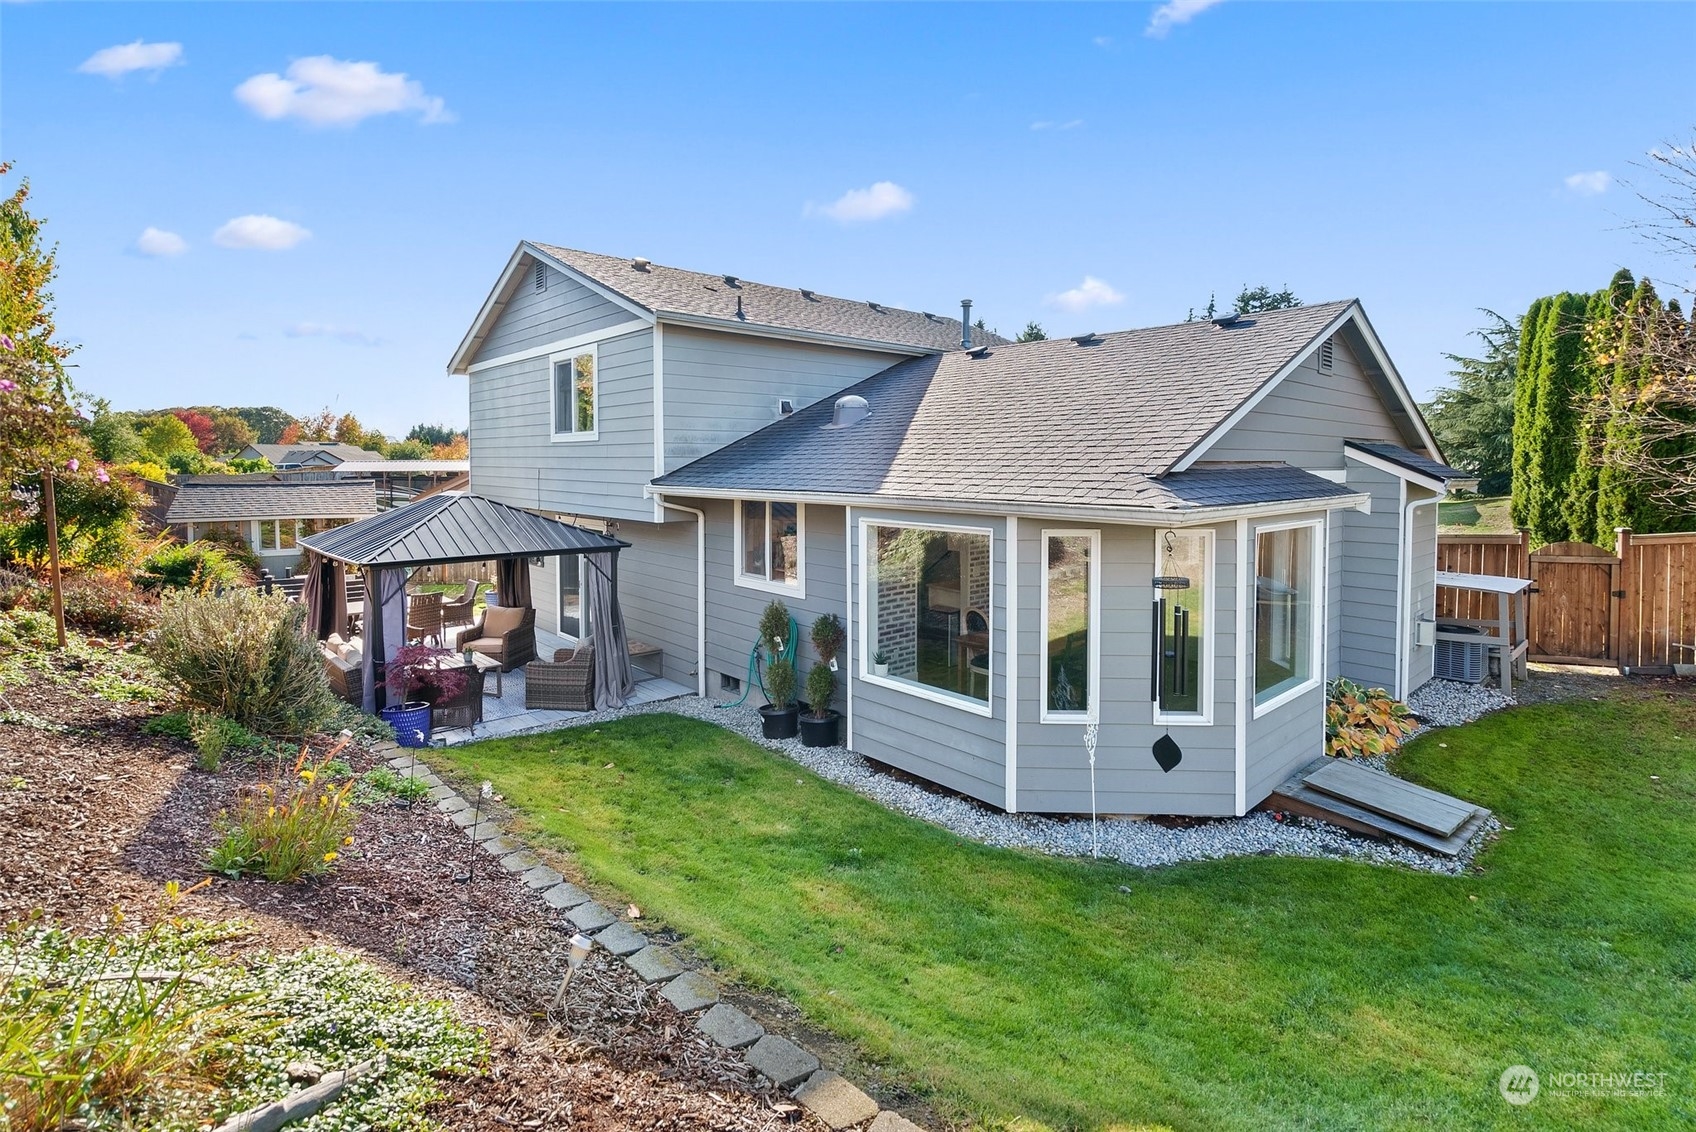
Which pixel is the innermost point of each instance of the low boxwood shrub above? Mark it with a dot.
(243, 655)
(1364, 721)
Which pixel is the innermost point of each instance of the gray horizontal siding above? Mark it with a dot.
(517, 463)
(1366, 587)
(1053, 767)
(721, 387)
(1305, 420)
(1282, 740)
(956, 748)
(656, 581)
(535, 318)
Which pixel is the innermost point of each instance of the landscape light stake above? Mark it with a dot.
(486, 790)
(1089, 745)
(577, 953)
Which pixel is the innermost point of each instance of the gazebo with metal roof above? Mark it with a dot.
(459, 527)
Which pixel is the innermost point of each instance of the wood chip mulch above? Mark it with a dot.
(102, 816)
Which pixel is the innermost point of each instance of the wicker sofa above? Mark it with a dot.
(565, 684)
(346, 673)
(504, 632)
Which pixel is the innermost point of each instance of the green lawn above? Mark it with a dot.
(1483, 515)
(1252, 994)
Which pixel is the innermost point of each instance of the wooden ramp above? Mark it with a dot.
(1378, 805)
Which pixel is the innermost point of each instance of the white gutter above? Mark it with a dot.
(1142, 516)
(700, 592)
(1404, 576)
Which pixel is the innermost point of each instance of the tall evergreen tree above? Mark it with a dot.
(1525, 408)
(1553, 437)
(1602, 322)
(1473, 418)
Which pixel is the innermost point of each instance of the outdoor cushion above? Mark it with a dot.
(341, 665)
(501, 619)
(334, 640)
(490, 646)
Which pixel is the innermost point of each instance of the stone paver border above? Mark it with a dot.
(792, 1067)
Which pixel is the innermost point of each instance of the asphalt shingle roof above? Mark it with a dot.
(199, 501)
(454, 527)
(1056, 422)
(1410, 460)
(280, 454)
(674, 290)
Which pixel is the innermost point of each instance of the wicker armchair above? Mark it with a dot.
(464, 709)
(567, 684)
(347, 680)
(424, 618)
(461, 610)
(504, 633)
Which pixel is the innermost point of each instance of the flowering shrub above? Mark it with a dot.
(1361, 721)
(289, 829)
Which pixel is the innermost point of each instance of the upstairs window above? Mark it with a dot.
(576, 395)
(768, 545)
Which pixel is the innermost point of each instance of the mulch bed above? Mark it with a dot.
(102, 816)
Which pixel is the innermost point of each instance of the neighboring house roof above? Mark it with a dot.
(418, 467)
(200, 500)
(454, 527)
(1411, 461)
(328, 452)
(1094, 423)
(674, 294)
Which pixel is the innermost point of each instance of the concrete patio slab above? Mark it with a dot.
(622, 939)
(891, 1121)
(591, 917)
(690, 991)
(781, 1060)
(655, 964)
(729, 1027)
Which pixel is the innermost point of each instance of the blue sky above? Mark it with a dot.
(1053, 162)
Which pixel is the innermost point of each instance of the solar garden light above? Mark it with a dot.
(577, 952)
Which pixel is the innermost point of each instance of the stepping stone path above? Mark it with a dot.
(828, 1095)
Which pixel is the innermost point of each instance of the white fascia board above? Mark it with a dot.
(1390, 467)
(789, 334)
(1136, 516)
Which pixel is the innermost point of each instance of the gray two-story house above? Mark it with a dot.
(1166, 539)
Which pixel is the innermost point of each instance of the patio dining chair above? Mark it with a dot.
(424, 618)
(461, 610)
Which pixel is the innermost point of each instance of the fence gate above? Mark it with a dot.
(1575, 604)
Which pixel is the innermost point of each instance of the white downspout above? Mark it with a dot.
(700, 591)
(1404, 584)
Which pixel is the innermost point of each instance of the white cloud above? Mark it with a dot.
(116, 62)
(1175, 12)
(158, 242)
(885, 198)
(1103, 41)
(325, 91)
(1069, 125)
(345, 334)
(265, 233)
(1092, 292)
(1591, 184)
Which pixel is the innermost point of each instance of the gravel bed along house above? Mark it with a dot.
(1129, 840)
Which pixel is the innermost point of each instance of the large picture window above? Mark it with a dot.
(1071, 597)
(768, 545)
(1287, 580)
(575, 395)
(1183, 617)
(277, 534)
(927, 611)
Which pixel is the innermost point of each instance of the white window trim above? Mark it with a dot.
(559, 606)
(985, 708)
(1316, 653)
(1204, 717)
(1093, 627)
(795, 589)
(593, 349)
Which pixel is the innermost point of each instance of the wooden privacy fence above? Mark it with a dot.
(455, 572)
(1633, 606)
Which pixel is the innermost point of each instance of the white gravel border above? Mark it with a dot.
(1128, 840)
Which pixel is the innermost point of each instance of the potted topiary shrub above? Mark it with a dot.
(778, 716)
(419, 676)
(880, 663)
(820, 723)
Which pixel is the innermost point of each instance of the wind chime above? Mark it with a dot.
(1166, 750)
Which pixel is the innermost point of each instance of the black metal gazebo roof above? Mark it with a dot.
(455, 527)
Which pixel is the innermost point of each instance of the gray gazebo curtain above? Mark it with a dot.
(512, 582)
(324, 594)
(385, 625)
(613, 680)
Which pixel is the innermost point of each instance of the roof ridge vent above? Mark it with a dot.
(874, 306)
(806, 294)
(850, 409)
(641, 263)
(1228, 320)
(732, 281)
(977, 352)
(1087, 339)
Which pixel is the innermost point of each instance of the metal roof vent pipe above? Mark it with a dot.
(965, 324)
(848, 412)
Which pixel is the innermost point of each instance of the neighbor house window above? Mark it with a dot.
(1183, 615)
(1071, 599)
(1286, 620)
(768, 544)
(575, 395)
(224, 528)
(277, 534)
(927, 611)
(573, 617)
(319, 526)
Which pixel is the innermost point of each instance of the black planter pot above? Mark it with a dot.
(779, 723)
(824, 732)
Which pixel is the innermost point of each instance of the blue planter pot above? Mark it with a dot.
(411, 723)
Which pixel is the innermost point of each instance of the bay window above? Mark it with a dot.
(1071, 601)
(927, 611)
(1183, 626)
(1286, 620)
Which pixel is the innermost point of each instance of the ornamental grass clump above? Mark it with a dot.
(243, 655)
(289, 829)
(1361, 721)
